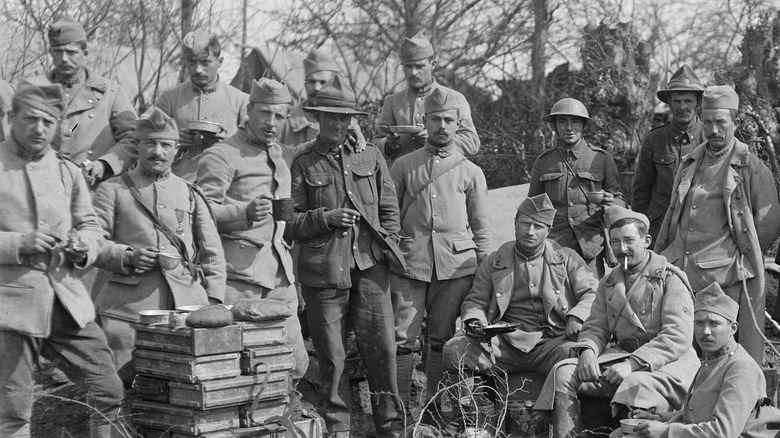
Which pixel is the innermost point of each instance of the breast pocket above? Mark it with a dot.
(364, 178)
(318, 187)
(554, 185)
(591, 179)
(665, 168)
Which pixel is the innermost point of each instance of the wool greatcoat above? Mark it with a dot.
(128, 227)
(659, 158)
(98, 122)
(575, 221)
(49, 194)
(223, 104)
(652, 322)
(407, 107)
(753, 218)
(300, 126)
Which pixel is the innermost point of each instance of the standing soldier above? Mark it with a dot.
(445, 233)
(663, 147)
(49, 234)
(580, 179)
(346, 221)
(96, 130)
(407, 107)
(147, 213)
(203, 98)
(239, 176)
(723, 215)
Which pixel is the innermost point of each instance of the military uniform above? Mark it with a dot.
(126, 292)
(97, 123)
(231, 174)
(47, 310)
(576, 223)
(222, 104)
(649, 320)
(660, 155)
(6, 95)
(540, 293)
(407, 107)
(300, 127)
(725, 243)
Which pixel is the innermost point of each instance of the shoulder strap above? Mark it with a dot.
(173, 238)
(681, 275)
(415, 193)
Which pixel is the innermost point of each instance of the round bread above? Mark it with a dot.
(209, 317)
(260, 309)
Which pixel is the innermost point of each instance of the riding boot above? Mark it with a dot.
(566, 415)
(405, 365)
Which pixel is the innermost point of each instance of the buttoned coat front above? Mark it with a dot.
(407, 107)
(300, 126)
(97, 124)
(444, 223)
(128, 226)
(754, 220)
(232, 173)
(567, 288)
(226, 105)
(51, 195)
(595, 170)
(317, 181)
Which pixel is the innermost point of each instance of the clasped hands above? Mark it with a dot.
(589, 370)
(40, 241)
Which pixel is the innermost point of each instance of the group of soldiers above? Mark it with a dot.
(385, 234)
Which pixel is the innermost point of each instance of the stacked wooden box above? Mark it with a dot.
(202, 382)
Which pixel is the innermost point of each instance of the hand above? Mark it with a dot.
(651, 428)
(141, 260)
(392, 144)
(474, 329)
(74, 256)
(588, 368)
(341, 217)
(94, 172)
(643, 414)
(214, 301)
(355, 136)
(573, 327)
(615, 373)
(186, 139)
(608, 200)
(420, 138)
(37, 242)
(258, 208)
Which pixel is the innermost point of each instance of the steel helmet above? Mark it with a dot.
(567, 107)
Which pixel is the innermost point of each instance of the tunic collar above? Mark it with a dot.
(721, 153)
(685, 136)
(425, 89)
(527, 258)
(250, 138)
(208, 89)
(728, 349)
(154, 176)
(324, 149)
(27, 156)
(443, 152)
(575, 150)
(72, 81)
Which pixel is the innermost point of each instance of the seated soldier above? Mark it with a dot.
(728, 395)
(636, 347)
(534, 282)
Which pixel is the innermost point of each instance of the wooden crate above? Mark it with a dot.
(187, 340)
(151, 389)
(226, 392)
(264, 411)
(262, 333)
(184, 368)
(277, 358)
(165, 417)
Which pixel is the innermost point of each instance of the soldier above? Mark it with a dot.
(204, 97)
(50, 234)
(6, 96)
(239, 176)
(645, 307)
(445, 233)
(346, 222)
(532, 281)
(728, 395)
(96, 130)
(723, 215)
(135, 210)
(664, 147)
(580, 179)
(406, 107)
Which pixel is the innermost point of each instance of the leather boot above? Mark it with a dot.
(566, 416)
(404, 360)
(434, 372)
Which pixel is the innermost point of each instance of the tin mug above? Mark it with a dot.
(283, 209)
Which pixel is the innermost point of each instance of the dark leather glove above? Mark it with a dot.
(473, 329)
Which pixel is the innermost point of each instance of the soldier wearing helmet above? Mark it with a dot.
(580, 180)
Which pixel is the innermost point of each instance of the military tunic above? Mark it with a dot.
(576, 224)
(652, 322)
(300, 126)
(752, 214)
(660, 155)
(98, 122)
(407, 107)
(222, 103)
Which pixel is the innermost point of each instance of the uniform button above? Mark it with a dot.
(498, 295)
(41, 222)
(741, 213)
(241, 246)
(349, 193)
(160, 206)
(344, 233)
(571, 204)
(694, 207)
(89, 152)
(744, 230)
(340, 268)
(370, 173)
(91, 116)
(749, 248)
(687, 253)
(437, 161)
(433, 196)
(162, 246)
(564, 307)
(434, 231)
(532, 285)
(643, 312)
(346, 173)
(90, 100)
(159, 186)
(203, 118)
(690, 408)
(690, 229)
(354, 247)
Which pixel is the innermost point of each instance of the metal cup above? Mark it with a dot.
(168, 261)
(283, 209)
